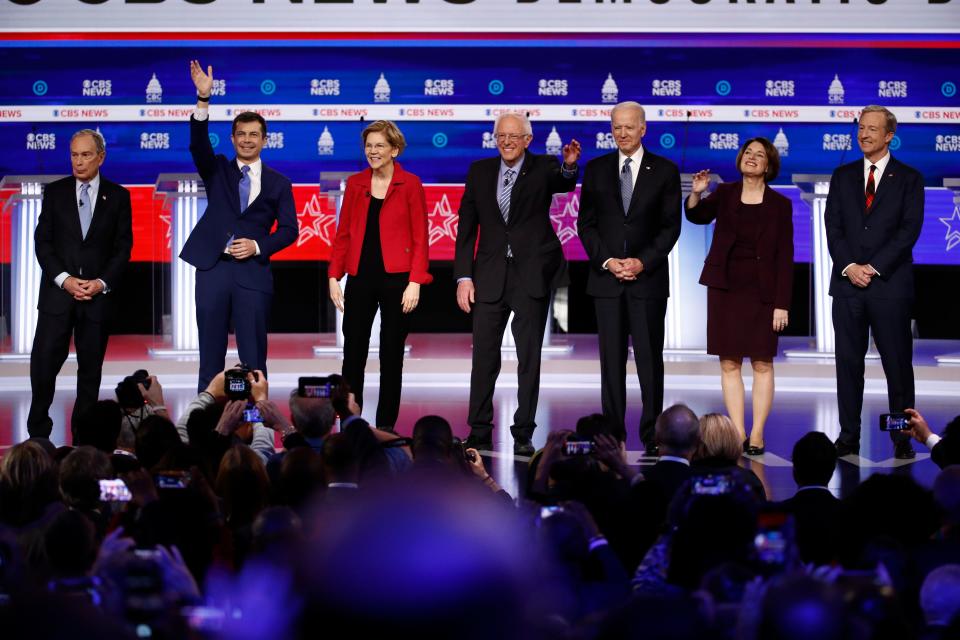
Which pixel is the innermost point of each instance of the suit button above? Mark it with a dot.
(406, 250)
(866, 228)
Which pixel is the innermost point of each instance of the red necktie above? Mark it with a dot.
(871, 187)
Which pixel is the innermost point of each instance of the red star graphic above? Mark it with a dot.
(443, 221)
(315, 223)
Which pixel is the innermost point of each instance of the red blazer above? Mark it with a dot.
(774, 246)
(403, 226)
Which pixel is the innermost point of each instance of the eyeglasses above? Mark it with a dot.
(510, 137)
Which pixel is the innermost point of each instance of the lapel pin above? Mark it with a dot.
(647, 167)
(103, 197)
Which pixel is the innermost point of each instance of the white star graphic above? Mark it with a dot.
(563, 213)
(314, 223)
(443, 221)
(953, 232)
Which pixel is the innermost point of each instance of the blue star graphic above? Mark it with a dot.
(953, 228)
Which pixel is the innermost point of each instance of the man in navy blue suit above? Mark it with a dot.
(232, 243)
(873, 218)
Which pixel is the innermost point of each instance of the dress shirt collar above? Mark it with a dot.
(636, 158)
(673, 458)
(94, 184)
(881, 165)
(515, 167)
(255, 167)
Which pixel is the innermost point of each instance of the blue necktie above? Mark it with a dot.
(626, 185)
(86, 214)
(244, 187)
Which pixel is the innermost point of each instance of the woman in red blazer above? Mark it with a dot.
(382, 245)
(749, 277)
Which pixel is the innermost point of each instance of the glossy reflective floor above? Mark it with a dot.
(437, 377)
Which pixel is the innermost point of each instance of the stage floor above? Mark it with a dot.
(436, 381)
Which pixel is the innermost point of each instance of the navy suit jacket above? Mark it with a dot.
(647, 230)
(882, 238)
(223, 218)
(61, 247)
(529, 231)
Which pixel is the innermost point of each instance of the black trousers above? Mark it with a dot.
(853, 318)
(51, 344)
(642, 319)
(221, 300)
(363, 295)
(489, 323)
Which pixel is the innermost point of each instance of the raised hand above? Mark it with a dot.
(202, 81)
(701, 180)
(571, 153)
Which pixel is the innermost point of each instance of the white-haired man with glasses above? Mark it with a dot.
(515, 268)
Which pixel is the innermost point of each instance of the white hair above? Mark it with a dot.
(630, 104)
(519, 115)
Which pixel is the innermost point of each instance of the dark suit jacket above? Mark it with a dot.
(649, 228)
(222, 219)
(535, 246)
(884, 238)
(817, 523)
(61, 247)
(774, 246)
(403, 227)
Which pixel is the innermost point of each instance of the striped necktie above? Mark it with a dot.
(504, 198)
(871, 187)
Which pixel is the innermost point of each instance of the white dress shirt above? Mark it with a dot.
(635, 161)
(881, 166)
(256, 171)
(92, 194)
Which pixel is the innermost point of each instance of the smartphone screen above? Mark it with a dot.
(578, 447)
(114, 491)
(252, 414)
(894, 422)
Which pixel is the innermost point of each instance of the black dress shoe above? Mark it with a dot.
(844, 449)
(473, 442)
(754, 451)
(652, 451)
(904, 451)
(523, 448)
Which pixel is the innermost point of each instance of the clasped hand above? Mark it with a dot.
(626, 269)
(860, 275)
(82, 289)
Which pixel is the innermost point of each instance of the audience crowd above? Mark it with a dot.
(234, 520)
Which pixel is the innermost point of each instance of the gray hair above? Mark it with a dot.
(313, 417)
(522, 117)
(630, 104)
(97, 138)
(891, 120)
(678, 430)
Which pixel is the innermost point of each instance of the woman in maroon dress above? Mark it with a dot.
(749, 277)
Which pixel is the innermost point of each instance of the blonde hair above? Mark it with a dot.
(390, 131)
(719, 437)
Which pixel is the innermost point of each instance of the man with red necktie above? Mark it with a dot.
(873, 218)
